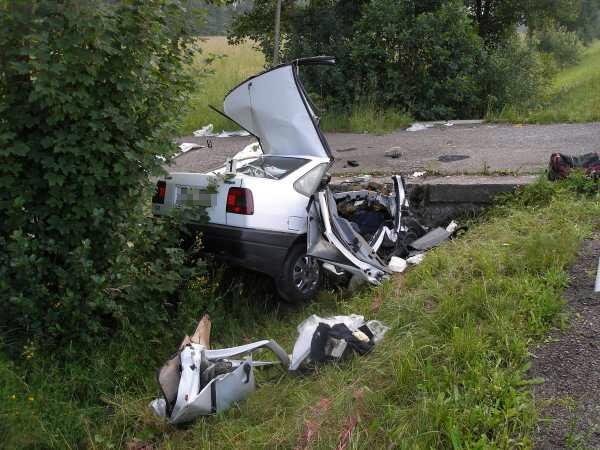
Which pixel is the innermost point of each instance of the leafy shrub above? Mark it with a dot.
(564, 46)
(427, 62)
(424, 58)
(88, 92)
(515, 74)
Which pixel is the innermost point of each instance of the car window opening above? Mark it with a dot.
(271, 167)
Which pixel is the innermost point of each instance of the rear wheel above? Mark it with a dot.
(300, 278)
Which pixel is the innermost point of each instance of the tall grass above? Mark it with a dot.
(229, 66)
(366, 117)
(573, 97)
(451, 372)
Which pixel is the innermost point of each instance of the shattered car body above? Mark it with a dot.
(347, 243)
(270, 208)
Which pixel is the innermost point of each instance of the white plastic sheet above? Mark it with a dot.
(207, 131)
(187, 146)
(419, 127)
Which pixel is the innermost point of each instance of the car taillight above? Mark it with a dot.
(159, 194)
(240, 201)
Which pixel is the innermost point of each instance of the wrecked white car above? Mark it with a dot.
(269, 207)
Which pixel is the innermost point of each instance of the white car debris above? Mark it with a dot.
(270, 208)
(397, 264)
(416, 259)
(198, 381)
(331, 338)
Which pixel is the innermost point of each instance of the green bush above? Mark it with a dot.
(515, 74)
(427, 63)
(564, 46)
(422, 58)
(88, 93)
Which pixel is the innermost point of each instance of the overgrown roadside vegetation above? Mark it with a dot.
(400, 61)
(574, 95)
(451, 372)
(435, 60)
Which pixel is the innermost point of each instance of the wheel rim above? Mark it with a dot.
(306, 273)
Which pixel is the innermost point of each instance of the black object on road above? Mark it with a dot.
(452, 158)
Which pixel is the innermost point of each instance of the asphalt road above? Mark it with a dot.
(463, 149)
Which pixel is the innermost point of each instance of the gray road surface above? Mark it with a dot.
(487, 148)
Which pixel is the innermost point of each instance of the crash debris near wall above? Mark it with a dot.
(370, 233)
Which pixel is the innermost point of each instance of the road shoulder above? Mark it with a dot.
(569, 363)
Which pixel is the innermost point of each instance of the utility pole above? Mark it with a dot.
(277, 32)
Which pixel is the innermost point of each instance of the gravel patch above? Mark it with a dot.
(569, 362)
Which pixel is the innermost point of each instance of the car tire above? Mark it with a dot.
(300, 279)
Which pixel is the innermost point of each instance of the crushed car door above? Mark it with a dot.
(395, 205)
(334, 240)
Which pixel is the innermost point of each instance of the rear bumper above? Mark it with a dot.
(260, 250)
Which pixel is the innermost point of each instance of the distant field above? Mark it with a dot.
(573, 97)
(232, 65)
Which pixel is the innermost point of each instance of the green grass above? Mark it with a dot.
(232, 64)
(451, 372)
(366, 118)
(573, 97)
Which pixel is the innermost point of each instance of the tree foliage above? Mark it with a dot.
(424, 57)
(432, 58)
(88, 91)
(587, 24)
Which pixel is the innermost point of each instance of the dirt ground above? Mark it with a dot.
(569, 362)
(459, 149)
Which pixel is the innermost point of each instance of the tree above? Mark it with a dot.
(496, 18)
(420, 56)
(587, 23)
(425, 62)
(88, 94)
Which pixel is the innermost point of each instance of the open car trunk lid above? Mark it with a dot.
(275, 108)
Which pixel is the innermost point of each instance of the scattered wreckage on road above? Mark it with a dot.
(270, 208)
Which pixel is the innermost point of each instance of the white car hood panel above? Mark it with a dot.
(273, 107)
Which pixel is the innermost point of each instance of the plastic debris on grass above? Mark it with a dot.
(197, 381)
(332, 338)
